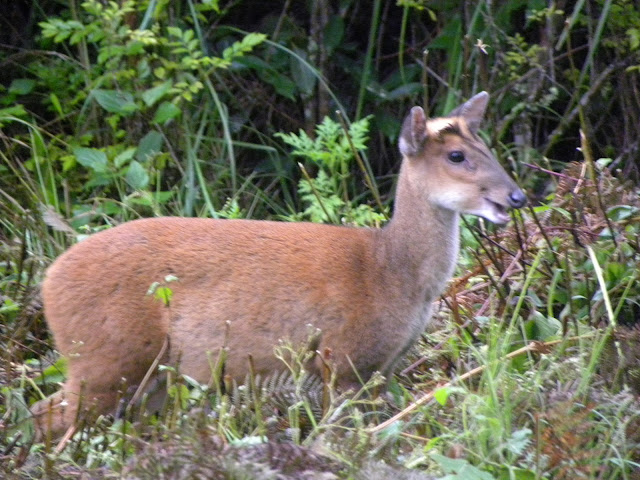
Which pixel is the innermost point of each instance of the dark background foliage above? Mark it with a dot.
(546, 65)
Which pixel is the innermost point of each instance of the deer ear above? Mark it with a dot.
(473, 111)
(414, 133)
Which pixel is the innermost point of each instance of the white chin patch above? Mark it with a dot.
(493, 212)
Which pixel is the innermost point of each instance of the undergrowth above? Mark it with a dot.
(530, 369)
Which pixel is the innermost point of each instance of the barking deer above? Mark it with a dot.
(245, 284)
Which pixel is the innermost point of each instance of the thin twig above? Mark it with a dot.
(65, 439)
(544, 235)
(150, 371)
(425, 83)
(549, 172)
(307, 177)
(588, 156)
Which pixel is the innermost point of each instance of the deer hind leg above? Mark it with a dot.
(71, 405)
(97, 385)
(54, 415)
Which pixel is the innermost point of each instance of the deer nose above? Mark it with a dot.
(517, 199)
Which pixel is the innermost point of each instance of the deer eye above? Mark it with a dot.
(456, 156)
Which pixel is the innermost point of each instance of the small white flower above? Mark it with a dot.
(482, 46)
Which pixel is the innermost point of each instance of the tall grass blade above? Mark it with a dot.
(368, 59)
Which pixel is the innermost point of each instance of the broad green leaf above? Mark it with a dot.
(303, 76)
(162, 197)
(9, 306)
(148, 199)
(174, 32)
(546, 327)
(432, 443)
(151, 96)
(122, 158)
(441, 395)
(149, 145)
(283, 85)
(333, 32)
(166, 111)
(114, 101)
(530, 330)
(55, 101)
(513, 473)
(181, 392)
(622, 212)
(256, 63)
(91, 158)
(392, 430)
(404, 91)
(237, 49)
(210, 5)
(615, 273)
(137, 177)
(68, 162)
(10, 114)
(101, 179)
(460, 468)
(53, 373)
(634, 38)
(164, 294)
(22, 86)
(389, 126)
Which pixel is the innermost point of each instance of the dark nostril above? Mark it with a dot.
(517, 199)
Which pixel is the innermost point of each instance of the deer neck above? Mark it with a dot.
(421, 242)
